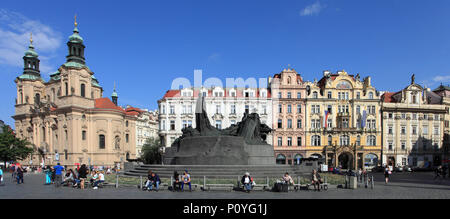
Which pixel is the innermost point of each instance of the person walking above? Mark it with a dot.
(82, 175)
(58, 174)
(387, 174)
(438, 172)
(1, 176)
(19, 175)
(444, 171)
(48, 175)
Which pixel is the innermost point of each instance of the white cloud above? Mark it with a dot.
(15, 31)
(313, 9)
(214, 57)
(442, 79)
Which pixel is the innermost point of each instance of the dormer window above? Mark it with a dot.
(315, 95)
(370, 95)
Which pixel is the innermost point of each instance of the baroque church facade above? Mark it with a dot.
(67, 119)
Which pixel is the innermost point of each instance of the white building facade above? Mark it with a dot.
(224, 106)
(147, 126)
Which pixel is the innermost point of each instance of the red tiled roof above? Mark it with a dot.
(387, 97)
(172, 93)
(133, 111)
(106, 103)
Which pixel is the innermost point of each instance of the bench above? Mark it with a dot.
(217, 187)
(257, 187)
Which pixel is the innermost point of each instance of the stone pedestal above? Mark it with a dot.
(219, 150)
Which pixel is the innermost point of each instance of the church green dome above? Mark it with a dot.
(30, 52)
(75, 37)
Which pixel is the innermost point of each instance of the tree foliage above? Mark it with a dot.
(151, 153)
(12, 148)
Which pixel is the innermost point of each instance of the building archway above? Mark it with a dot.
(298, 159)
(370, 161)
(281, 159)
(346, 160)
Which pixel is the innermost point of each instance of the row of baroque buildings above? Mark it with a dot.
(340, 118)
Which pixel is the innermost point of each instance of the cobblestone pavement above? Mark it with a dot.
(402, 185)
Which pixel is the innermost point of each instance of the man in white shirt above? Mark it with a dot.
(101, 179)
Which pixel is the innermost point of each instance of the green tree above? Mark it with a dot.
(151, 153)
(12, 148)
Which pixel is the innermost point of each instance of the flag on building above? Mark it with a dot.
(363, 120)
(325, 119)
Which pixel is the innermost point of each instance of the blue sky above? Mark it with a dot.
(144, 45)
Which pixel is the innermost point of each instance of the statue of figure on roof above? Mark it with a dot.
(413, 77)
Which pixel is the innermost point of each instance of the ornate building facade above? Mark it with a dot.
(343, 121)
(413, 127)
(444, 92)
(147, 126)
(66, 118)
(224, 106)
(288, 99)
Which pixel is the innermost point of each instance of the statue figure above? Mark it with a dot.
(413, 77)
(250, 128)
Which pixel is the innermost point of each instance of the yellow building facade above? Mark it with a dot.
(343, 121)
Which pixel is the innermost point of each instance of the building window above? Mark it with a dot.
(299, 95)
(289, 141)
(280, 124)
(390, 146)
(289, 124)
(403, 130)
(279, 95)
(370, 95)
(218, 111)
(172, 124)
(299, 123)
(344, 140)
(280, 141)
(315, 140)
(101, 143)
(233, 109)
(315, 95)
(403, 145)
(218, 124)
(83, 135)
(371, 140)
(127, 138)
(67, 88)
(414, 130)
(329, 95)
(280, 108)
(172, 110)
(299, 141)
(82, 90)
(358, 95)
(299, 108)
(425, 130)
(289, 95)
(289, 108)
(358, 140)
(330, 140)
(390, 130)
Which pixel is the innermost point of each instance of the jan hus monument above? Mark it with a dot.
(240, 144)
